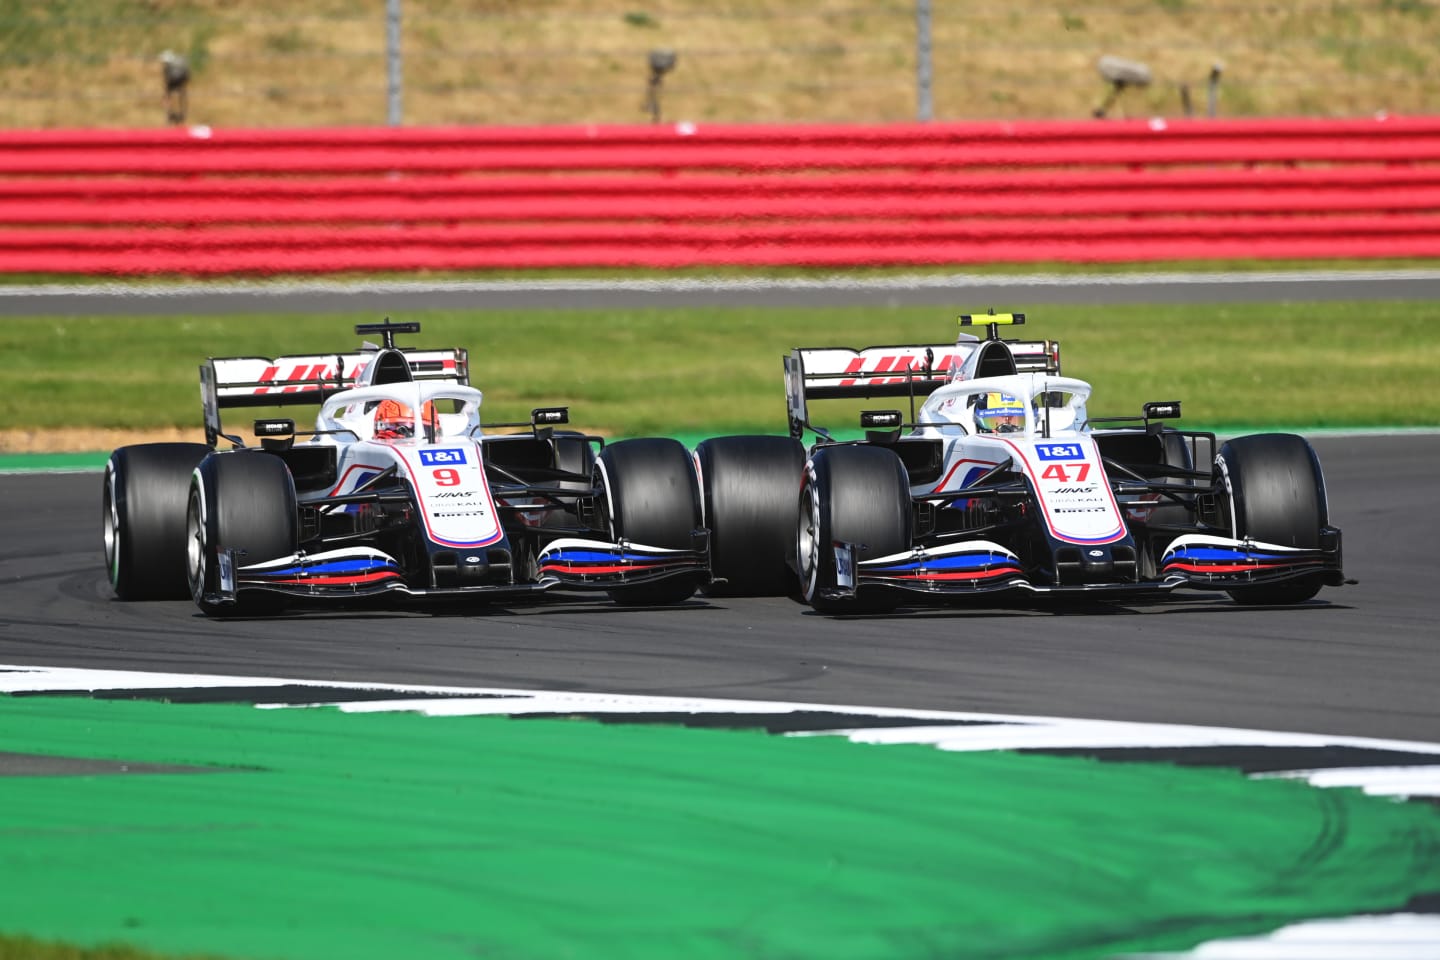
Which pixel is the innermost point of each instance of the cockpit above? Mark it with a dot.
(428, 412)
(1033, 404)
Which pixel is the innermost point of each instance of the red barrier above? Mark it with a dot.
(294, 201)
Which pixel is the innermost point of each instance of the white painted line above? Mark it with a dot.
(1376, 781)
(1404, 936)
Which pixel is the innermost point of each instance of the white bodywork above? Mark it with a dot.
(1054, 448)
(442, 457)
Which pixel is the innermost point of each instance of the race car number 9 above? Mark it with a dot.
(446, 477)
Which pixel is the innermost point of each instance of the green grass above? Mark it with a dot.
(646, 371)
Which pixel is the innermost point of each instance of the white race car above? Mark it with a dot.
(399, 490)
(1002, 481)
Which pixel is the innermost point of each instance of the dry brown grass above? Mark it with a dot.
(89, 439)
(273, 63)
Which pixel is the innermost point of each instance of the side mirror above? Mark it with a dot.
(275, 435)
(1162, 410)
(881, 419)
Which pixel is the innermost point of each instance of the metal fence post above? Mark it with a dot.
(924, 110)
(393, 64)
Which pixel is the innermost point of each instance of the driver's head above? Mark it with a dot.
(1000, 413)
(394, 420)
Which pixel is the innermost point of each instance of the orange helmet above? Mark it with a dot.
(394, 420)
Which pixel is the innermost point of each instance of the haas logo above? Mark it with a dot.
(913, 365)
(310, 375)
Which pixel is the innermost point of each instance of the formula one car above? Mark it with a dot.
(1003, 482)
(400, 488)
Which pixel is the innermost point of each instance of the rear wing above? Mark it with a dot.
(908, 370)
(307, 378)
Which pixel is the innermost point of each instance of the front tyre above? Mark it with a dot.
(245, 502)
(651, 497)
(858, 495)
(1272, 490)
(143, 518)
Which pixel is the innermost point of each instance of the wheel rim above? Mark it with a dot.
(807, 542)
(605, 507)
(111, 529)
(1229, 501)
(195, 566)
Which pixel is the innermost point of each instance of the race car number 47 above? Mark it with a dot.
(1078, 472)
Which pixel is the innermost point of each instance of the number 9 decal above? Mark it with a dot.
(446, 477)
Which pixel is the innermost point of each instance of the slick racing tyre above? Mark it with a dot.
(651, 497)
(241, 501)
(143, 518)
(858, 495)
(749, 488)
(1272, 491)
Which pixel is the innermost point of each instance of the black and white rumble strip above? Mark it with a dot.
(1392, 768)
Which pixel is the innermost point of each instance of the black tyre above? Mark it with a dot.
(143, 518)
(651, 497)
(1272, 491)
(243, 501)
(749, 488)
(859, 495)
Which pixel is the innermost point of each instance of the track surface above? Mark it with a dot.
(1360, 660)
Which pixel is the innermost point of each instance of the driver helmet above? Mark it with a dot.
(396, 421)
(1000, 413)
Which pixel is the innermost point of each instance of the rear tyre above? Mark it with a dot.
(143, 518)
(244, 502)
(859, 495)
(651, 497)
(749, 488)
(1272, 491)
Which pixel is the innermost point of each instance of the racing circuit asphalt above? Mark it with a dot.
(1360, 660)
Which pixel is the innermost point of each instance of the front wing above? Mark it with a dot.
(1192, 561)
(567, 564)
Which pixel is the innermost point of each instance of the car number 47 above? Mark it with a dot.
(1077, 472)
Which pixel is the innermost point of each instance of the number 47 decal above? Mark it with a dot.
(1058, 472)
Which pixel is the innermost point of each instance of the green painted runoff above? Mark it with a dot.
(321, 834)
